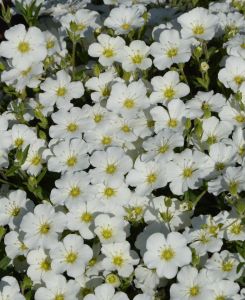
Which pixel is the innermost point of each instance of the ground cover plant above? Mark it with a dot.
(122, 150)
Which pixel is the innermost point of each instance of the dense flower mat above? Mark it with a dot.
(122, 150)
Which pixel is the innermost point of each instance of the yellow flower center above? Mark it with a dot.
(71, 161)
(109, 192)
(220, 297)
(61, 91)
(81, 26)
(125, 128)
(36, 160)
(198, 29)
(212, 229)
(24, 47)
(219, 166)
(106, 140)
(163, 149)
(86, 217)
(239, 79)
(212, 139)
(118, 260)
(172, 52)
(137, 59)
(15, 211)
(71, 257)
(19, 142)
(236, 229)
(45, 265)
(194, 291)
(233, 186)
(108, 52)
(106, 233)
(92, 262)
(227, 266)
(167, 254)
(111, 278)
(169, 93)
(98, 118)
(106, 91)
(75, 191)
(242, 45)
(151, 178)
(204, 239)
(50, 44)
(240, 118)
(72, 127)
(172, 123)
(44, 228)
(187, 172)
(150, 123)
(241, 150)
(129, 103)
(59, 297)
(125, 26)
(111, 169)
(26, 72)
(22, 246)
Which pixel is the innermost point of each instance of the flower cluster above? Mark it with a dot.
(122, 150)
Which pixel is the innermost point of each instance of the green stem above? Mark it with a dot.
(74, 44)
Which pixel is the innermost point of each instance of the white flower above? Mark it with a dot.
(198, 23)
(173, 117)
(223, 265)
(168, 210)
(14, 245)
(215, 130)
(186, 171)
(118, 257)
(112, 163)
(9, 289)
(57, 287)
(225, 289)
(233, 180)
(22, 136)
(166, 254)
(236, 46)
(81, 218)
(41, 228)
(39, 265)
(106, 292)
(23, 46)
(107, 49)
(101, 85)
(13, 208)
(204, 103)
(235, 230)
(112, 195)
(146, 177)
(191, 285)
(124, 19)
(25, 74)
(128, 100)
(167, 88)
(71, 255)
(233, 74)
(134, 56)
(61, 91)
(171, 49)
(161, 146)
(83, 22)
(109, 229)
(71, 188)
(233, 114)
(68, 155)
(146, 279)
(68, 124)
(34, 161)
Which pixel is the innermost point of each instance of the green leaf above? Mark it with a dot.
(2, 232)
(4, 262)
